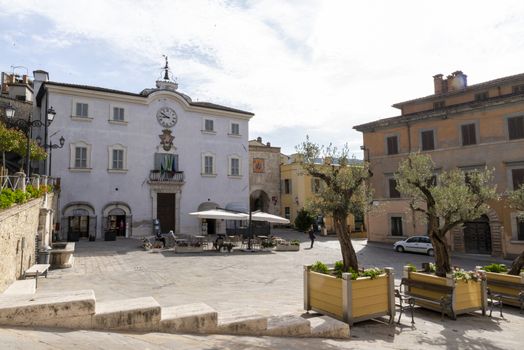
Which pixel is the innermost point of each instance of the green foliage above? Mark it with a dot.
(338, 269)
(8, 197)
(304, 220)
(294, 242)
(320, 268)
(516, 199)
(411, 267)
(373, 272)
(432, 267)
(9, 138)
(462, 275)
(498, 268)
(268, 243)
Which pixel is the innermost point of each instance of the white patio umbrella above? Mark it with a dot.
(262, 216)
(219, 214)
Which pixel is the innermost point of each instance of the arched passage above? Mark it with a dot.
(78, 221)
(117, 218)
(259, 200)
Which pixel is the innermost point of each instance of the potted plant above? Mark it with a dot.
(509, 287)
(283, 245)
(348, 295)
(189, 247)
(465, 291)
(267, 244)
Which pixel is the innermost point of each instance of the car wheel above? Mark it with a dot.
(431, 252)
(400, 249)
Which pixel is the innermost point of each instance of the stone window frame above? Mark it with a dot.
(435, 145)
(213, 166)
(397, 135)
(403, 223)
(112, 119)
(506, 124)
(477, 132)
(509, 174)
(230, 166)
(206, 131)
(72, 156)
(387, 177)
(75, 116)
(514, 227)
(110, 150)
(231, 133)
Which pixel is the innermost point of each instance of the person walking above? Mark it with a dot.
(312, 236)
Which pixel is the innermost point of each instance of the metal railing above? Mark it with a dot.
(19, 181)
(166, 176)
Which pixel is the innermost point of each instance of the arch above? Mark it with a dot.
(495, 228)
(207, 206)
(259, 200)
(112, 206)
(69, 208)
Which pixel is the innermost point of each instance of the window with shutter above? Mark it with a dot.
(393, 192)
(518, 178)
(392, 144)
(428, 141)
(520, 229)
(396, 226)
(516, 127)
(469, 136)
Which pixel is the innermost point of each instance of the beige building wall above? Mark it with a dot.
(493, 149)
(264, 176)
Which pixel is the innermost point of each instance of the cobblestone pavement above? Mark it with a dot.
(270, 282)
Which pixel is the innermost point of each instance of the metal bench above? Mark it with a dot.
(497, 297)
(444, 303)
(36, 271)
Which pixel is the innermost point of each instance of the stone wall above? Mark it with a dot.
(18, 228)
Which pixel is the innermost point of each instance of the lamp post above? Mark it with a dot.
(366, 152)
(51, 146)
(25, 126)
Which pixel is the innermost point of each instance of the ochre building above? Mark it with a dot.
(468, 127)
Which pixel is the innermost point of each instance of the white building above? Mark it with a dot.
(130, 158)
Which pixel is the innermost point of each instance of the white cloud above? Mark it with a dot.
(314, 66)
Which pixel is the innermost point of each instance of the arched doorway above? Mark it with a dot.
(117, 218)
(78, 221)
(477, 236)
(259, 200)
(209, 226)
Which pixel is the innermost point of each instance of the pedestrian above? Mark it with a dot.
(312, 236)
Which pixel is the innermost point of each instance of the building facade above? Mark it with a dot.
(459, 126)
(264, 177)
(298, 187)
(130, 158)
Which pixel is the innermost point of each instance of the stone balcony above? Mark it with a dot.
(158, 176)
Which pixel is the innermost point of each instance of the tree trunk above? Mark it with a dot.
(517, 265)
(349, 257)
(442, 258)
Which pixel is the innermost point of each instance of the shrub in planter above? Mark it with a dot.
(508, 287)
(350, 296)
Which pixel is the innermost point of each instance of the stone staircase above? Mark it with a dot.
(80, 310)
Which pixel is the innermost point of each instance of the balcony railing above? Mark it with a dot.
(166, 176)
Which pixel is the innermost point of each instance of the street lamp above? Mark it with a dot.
(51, 146)
(25, 126)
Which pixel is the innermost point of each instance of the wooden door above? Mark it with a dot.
(477, 236)
(165, 211)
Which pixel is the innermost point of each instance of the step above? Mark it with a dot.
(142, 314)
(190, 318)
(287, 326)
(21, 287)
(68, 309)
(328, 327)
(242, 321)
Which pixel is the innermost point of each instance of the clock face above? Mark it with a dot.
(166, 117)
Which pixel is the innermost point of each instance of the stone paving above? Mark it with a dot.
(271, 283)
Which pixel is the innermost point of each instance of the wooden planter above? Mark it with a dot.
(179, 249)
(349, 300)
(497, 288)
(467, 296)
(287, 248)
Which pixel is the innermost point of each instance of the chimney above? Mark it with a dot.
(25, 79)
(268, 144)
(439, 84)
(457, 81)
(40, 76)
(259, 139)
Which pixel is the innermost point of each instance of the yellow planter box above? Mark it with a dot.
(493, 277)
(466, 296)
(349, 300)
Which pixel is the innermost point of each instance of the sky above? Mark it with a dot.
(304, 67)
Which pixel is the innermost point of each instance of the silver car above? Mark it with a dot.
(417, 244)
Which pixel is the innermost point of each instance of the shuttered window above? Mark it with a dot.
(518, 178)
(428, 140)
(396, 226)
(469, 136)
(393, 192)
(392, 144)
(520, 229)
(516, 127)
(287, 186)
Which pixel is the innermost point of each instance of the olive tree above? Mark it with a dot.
(445, 201)
(516, 201)
(344, 189)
